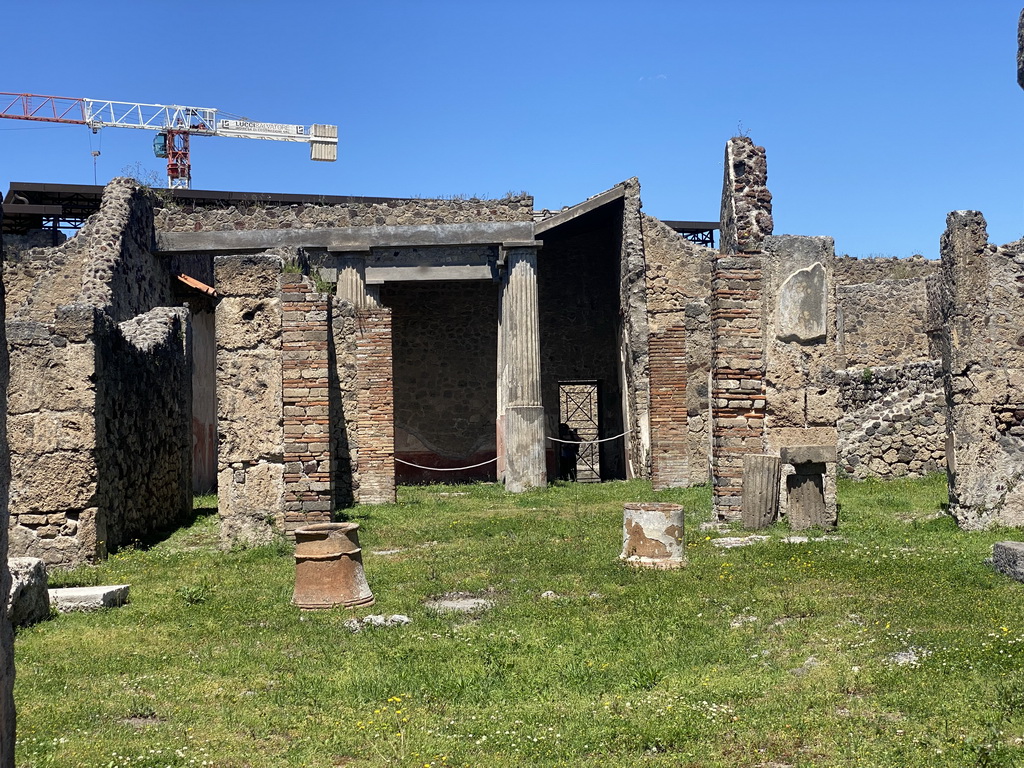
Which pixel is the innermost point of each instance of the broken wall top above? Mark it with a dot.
(108, 265)
(746, 216)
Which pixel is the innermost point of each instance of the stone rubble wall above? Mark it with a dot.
(893, 421)
(850, 270)
(143, 423)
(35, 238)
(7, 714)
(186, 217)
(96, 428)
(888, 321)
(983, 373)
(678, 287)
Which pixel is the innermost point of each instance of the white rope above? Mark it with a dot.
(445, 469)
(590, 442)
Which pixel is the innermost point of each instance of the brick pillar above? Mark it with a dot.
(669, 430)
(376, 407)
(308, 476)
(737, 337)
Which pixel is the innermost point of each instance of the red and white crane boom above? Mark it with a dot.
(175, 125)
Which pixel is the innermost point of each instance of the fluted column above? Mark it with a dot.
(352, 281)
(519, 373)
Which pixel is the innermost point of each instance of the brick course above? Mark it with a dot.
(305, 383)
(669, 431)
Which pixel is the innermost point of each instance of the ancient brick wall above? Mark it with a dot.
(79, 325)
(678, 306)
(670, 450)
(186, 217)
(305, 390)
(445, 377)
(983, 373)
(737, 339)
(375, 407)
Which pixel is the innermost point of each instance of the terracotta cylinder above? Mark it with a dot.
(329, 567)
(652, 535)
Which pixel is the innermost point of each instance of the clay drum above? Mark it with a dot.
(329, 567)
(652, 535)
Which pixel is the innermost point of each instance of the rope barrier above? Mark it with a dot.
(489, 461)
(590, 442)
(445, 469)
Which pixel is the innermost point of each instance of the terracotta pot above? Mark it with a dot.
(652, 535)
(329, 567)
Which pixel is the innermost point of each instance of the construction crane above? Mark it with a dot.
(175, 125)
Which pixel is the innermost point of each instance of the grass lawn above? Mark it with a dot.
(889, 643)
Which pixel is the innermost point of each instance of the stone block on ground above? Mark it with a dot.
(28, 601)
(1008, 558)
(89, 598)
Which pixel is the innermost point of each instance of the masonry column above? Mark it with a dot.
(520, 373)
(308, 472)
(737, 339)
(352, 280)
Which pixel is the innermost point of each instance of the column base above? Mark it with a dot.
(525, 466)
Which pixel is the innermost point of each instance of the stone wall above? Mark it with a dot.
(678, 277)
(850, 270)
(801, 404)
(893, 420)
(182, 216)
(99, 387)
(888, 322)
(983, 372)
(7, 719)
(143, 424)
(250, 483)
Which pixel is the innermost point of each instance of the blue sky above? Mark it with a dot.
(878, 117)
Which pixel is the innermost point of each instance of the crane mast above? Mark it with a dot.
(175, 124)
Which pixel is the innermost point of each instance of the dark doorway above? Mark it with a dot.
(579, 407)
